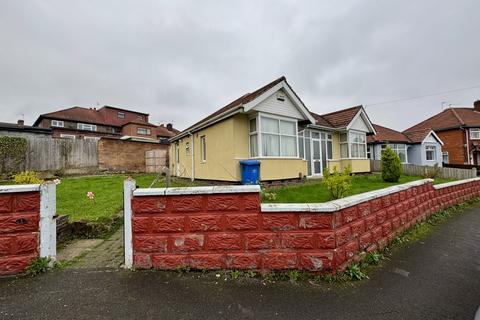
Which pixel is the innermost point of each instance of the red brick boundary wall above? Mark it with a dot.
(21, 210)
(227, 227)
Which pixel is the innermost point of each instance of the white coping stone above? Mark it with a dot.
(196, 190)
(340, 204)
(20, 188)
(455, 183)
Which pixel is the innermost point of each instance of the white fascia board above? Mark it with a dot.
(340, 204)
(196, 190)
(365, 119)
(316, 126)
(282, 85)
(455, 183)
(20, 188)
(435, 135)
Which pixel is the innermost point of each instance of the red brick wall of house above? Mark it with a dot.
(19, 231)
(123, 155)
(131, 130)
(229, 230)
(454, 141)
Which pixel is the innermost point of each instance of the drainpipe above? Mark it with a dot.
(193, 155)
(468, 147)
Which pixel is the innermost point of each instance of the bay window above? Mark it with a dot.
(353, 145)
(278, 137)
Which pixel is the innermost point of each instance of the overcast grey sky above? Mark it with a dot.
(181, 60)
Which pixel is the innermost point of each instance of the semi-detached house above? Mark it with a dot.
(273, 125)
(459, 129)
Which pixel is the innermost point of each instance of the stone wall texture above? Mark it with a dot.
(19, 231)
(213, 231)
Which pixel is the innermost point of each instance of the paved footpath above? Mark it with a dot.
(436, 278)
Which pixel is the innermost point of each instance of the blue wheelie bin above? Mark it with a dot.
(250, 170)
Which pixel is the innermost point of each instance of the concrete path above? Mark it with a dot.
(95, 253)
(436, 278)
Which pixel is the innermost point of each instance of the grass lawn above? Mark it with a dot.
(108, 200)
(313, 191)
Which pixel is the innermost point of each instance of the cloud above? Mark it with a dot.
(180, 61)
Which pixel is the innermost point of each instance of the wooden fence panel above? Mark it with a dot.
(414, 170)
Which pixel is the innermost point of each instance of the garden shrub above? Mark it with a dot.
(432, 172)
(27, 177)
(391, 166)
(338, 183)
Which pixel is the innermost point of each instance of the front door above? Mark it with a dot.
(316, 154)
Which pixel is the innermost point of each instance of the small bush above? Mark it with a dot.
(338, 183)
(271, 196)
(391, 166)
(432, 172)
(27, 177)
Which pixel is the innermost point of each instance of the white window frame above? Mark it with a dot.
(350, 143)
(58, 123)
(259, 117)
(474, 133)
(140, 117)
(187, 148)
(67, 136)
(445, 153)
(203, 149)
(256, 132)
(147, 131)
(121, 115)
(396, 149)
(431, 148)
(82, 126)
(347, 142)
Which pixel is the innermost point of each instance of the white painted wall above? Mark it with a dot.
(359, 124)
(282, 108)
(48, 223)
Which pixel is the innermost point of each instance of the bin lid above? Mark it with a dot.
(250, 162)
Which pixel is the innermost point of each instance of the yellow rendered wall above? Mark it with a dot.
(277, 169)
(357, 165)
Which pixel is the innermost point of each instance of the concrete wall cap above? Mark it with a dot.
(20, 188)
(196, 190)
(455, 183)
(340, 204)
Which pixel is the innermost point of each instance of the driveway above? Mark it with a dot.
(436, 278)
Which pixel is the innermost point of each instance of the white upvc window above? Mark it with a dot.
(140, 117)
(86, 126)
(121, 115)
(445, 157)
(474, 133)
(67, 136)
(353, 145)
(144, 131)
(277, 137)
(430, 153)
(344, 150)
(253, 135)
(92, 138)
(400, 149)
(358, 145)
(203, 149)
(58, 123)
(187, 148)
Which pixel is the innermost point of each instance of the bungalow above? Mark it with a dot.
(273, 125)
(421, 147)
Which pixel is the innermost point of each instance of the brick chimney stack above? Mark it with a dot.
(20, 122)
(170, 126)
(476, 106)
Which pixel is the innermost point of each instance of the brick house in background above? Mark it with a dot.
(459, 129)
(90, 123)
